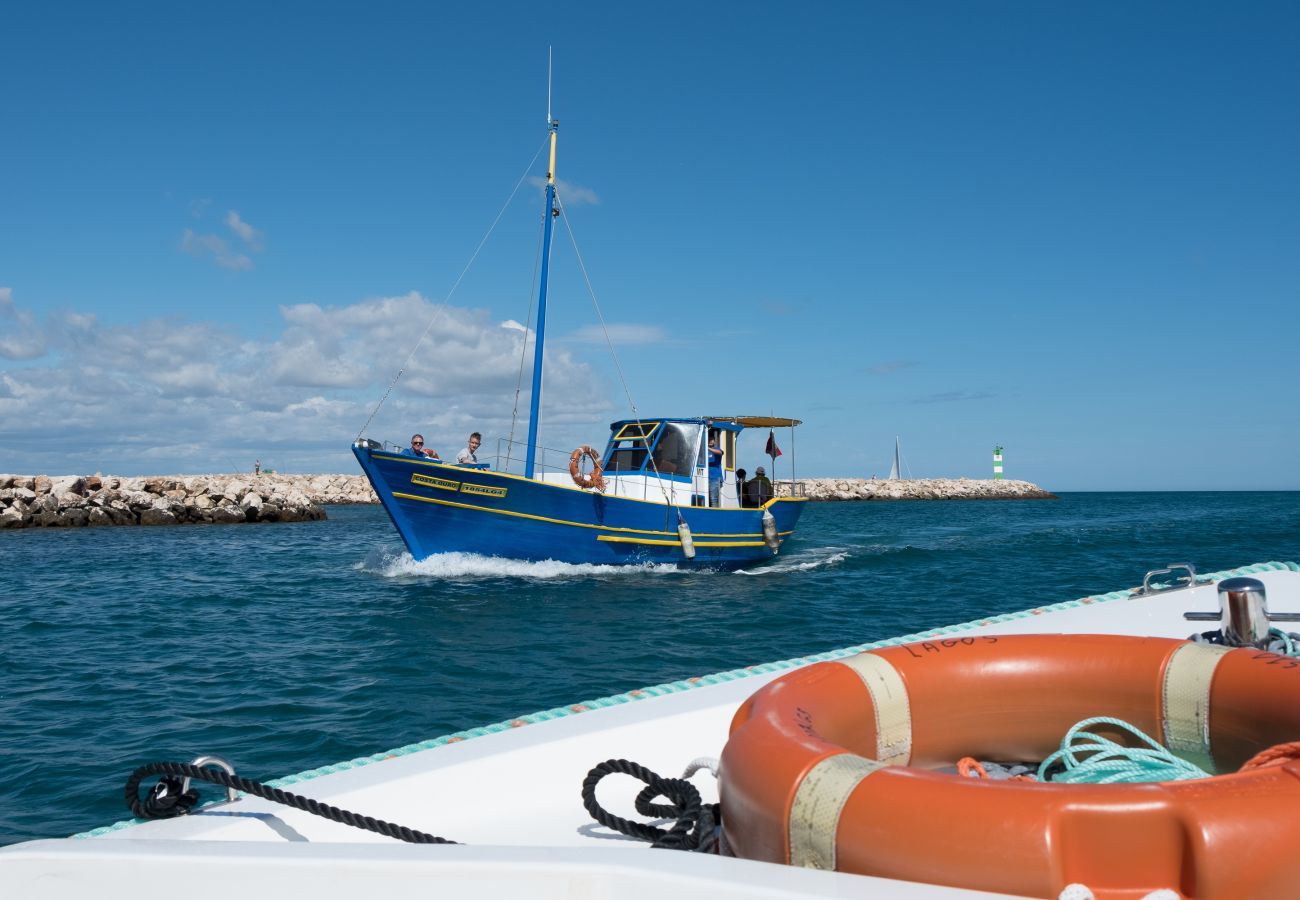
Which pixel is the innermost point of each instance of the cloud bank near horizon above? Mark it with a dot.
(168, 395)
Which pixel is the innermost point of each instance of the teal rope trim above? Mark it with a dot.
(1288, 645)
(686, 684)
(1112, 763)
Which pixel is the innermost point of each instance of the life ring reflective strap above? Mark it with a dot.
(818, 804)
(891, 706)
(1185, 701)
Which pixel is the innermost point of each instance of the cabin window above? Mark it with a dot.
(630, 446)
(626, 459)
(729, 450)
(672, 455)
(634, 431)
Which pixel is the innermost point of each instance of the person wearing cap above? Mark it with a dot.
(417, 448)
(758, 490)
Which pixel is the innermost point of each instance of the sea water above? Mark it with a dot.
(286, 647)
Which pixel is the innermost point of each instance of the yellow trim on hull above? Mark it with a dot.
(522, 515)
(627, 540)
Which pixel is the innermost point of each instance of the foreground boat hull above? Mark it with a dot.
(443, 508)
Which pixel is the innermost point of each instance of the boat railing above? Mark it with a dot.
(511, 458)
(791, 488)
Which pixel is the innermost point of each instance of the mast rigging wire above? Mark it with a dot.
(459, 279)
(636, 415)
(523, 347)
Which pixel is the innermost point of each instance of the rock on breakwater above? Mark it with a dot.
(915, 489)
(76, 500)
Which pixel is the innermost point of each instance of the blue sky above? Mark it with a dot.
(1072, 230)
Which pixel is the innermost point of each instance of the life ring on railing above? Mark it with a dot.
(594, 479)
(832, 767)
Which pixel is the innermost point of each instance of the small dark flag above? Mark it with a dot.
(772, 449)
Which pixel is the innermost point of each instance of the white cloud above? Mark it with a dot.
(890, 366)
(20, 337)
(175, 396)
(619, 333)
(214, 247)
(570, 194)
(247, 233)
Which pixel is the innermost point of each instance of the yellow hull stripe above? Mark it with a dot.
(522, 515)
(629, 540)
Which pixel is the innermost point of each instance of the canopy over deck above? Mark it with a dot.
(760, 421)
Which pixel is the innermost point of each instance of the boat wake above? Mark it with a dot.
(813, 559)
(453, 566)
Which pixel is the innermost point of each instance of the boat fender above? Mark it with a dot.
(839, 765)
(595, 479)
(688, 542)
(770, 536)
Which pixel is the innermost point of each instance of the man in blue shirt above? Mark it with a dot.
(417, 448)
(715, 469)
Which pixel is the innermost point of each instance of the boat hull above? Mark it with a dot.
(440, 507)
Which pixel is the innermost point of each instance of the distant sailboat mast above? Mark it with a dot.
(895, 469)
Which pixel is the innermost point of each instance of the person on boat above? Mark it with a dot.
(715, 469)
(758, 490)
(467, 456)
(417, 448)
(740, 486)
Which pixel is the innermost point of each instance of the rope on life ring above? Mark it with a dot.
(839, 765)
(594, 479)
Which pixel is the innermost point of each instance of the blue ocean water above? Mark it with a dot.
(287, 647)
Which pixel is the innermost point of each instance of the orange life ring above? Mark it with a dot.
(593, 480)
(832, 766)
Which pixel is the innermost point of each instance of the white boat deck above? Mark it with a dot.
(514, 798)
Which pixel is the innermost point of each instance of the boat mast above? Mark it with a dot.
(551, 212)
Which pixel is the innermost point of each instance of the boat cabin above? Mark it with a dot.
(666, 460)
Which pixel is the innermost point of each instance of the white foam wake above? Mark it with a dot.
(802, 562)
(451, 566)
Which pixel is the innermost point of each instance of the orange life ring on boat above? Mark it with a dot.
(832, 766)
(593, 480)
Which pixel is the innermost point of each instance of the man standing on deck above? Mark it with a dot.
(715, 469)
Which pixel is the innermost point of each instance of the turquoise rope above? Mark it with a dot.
(1112, 763)
(1288, 645)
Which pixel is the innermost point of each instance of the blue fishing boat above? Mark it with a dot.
(664, 490)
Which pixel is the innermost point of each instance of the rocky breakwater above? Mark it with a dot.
(75, 500)
(915, 489)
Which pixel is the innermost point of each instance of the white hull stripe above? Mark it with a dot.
(1185, 701)
(818, 804)
(891, 705)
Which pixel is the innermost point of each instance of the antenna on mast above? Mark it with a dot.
(548, 87)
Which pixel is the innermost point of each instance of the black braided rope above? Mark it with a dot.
(166, 800)
(695, 825)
